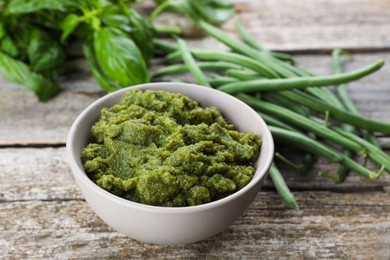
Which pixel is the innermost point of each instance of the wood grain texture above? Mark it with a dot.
(36, 174)
(26, 121)
(313, 26)
(331, 225)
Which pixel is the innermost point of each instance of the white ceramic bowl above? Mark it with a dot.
(162, 225)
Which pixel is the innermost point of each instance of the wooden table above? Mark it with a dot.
(43, 214)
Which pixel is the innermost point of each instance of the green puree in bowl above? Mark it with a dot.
(163, 149)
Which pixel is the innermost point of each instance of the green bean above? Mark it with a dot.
(236, 59)
(173, 57)
(220, 80)
(182, 68)
(303, 142)
(191, 64)
(282, 188)
(243, 74)
(229, 57)
(252, 43)
(244, 49)
(275, 98)
(159, 8)
(308, 159)
(301, 122)
(322, 93)
(270, 120)
(344, 116)
(342, 93)
(374, 153)
(327, 96)
(343, 171)
(246, 37)
(307, 144)
(300, 82)
(341, 88)
(165, 46)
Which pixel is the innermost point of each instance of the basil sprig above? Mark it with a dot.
(117, 41)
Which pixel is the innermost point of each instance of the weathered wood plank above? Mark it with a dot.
(30, 174)
(331, 225)
(25, 121)
(313, 26)
(36, 174)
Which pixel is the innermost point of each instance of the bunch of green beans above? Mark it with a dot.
(290, 100)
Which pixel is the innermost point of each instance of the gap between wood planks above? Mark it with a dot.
(40, 200)
(33, 145)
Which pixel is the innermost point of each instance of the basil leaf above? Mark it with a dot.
(19, 36)
(19, 72)
(113, 16)
(30, 6)
(3, 32)
(103, 81)
(142, 33)
(119, 58)
(128, 20)
(43, 52)
(8, 46)
(68, 25)
(97, 4)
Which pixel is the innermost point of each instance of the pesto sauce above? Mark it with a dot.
(164, 149)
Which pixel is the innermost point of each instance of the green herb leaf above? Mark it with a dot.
(29, 6)
(68, 25)
(44, 53)
(113, 16)
(17, 39)
(128, 20)
(98, 74)
(46, 18)
(3, 32)
(142, 34)
(8, 46)
(119, 57)
(19, 72)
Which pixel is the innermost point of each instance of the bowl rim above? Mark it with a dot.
(80, 175)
